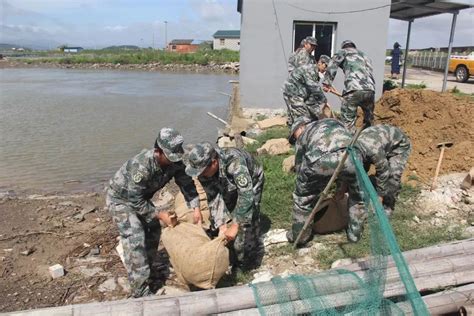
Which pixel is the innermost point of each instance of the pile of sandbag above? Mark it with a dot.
(196, 259)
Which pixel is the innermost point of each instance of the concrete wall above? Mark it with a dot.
(267, 39)
(229, 43)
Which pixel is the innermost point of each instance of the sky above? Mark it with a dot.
(101, 23)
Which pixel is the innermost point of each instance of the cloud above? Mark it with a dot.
(116, 28)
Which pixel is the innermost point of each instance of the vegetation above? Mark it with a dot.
(461, 94)
(130, 55)
(421, 85)
(389, 85)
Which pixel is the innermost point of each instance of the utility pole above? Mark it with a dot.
(166, 34)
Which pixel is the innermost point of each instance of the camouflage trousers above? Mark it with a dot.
(247, 248)
(311, 182)
(140, 239)
(297, 106)
(397, 166)
(354, 99)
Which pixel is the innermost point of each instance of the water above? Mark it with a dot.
(70, 130)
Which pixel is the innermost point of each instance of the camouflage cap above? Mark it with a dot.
(297, 123)
(347, 42)
(311, 40)
(198, 158)
(171, 142)
(324, 59)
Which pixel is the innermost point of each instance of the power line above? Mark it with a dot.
(279, 31)
(339, 12)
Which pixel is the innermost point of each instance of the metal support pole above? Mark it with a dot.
(407, 49)
(451, 37)
(166, 35)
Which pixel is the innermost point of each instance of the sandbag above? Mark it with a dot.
(196, 259)
(333, 218)
(185, 214)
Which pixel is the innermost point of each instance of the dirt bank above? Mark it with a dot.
(232, 67)
(429, 118)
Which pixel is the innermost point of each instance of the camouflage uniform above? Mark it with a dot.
(234, 193)
(359, 84)
(129, 201)
(301, 56)
(388, 148)
(303, 94)
(319, 149)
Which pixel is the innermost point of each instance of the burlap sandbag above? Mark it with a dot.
(332, 219)
(185, 214)
(196, 259)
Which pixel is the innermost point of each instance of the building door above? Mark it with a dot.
(323, 32)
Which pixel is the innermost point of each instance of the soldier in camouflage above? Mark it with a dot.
(302, 55)
(388, 148)
(319, 147)
(233, 182)
(129, 201)
(359, 83)
(303, 94)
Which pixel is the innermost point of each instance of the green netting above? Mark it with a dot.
(384, 286)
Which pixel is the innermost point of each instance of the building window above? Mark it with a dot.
(222, 41)
(173, 47)
(323, 32)
(238, 43)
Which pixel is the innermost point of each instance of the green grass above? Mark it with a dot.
(416, 86)
(142, 56)
(461, 94)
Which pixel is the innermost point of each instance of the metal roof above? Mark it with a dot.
(408, 10)
(181, 42)
(227, 34)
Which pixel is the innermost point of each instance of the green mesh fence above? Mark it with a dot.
(380, 288)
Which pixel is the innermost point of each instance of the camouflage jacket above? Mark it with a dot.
(304, 82)
(231, 188)
(299, 58)
(357, 69)
(378, 144)
(141, 177)
(318, 151)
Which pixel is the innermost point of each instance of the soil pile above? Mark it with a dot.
(429, 118)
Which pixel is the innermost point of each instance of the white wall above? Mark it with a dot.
(229, 43)
(267, 39)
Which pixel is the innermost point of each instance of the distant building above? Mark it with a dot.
(183, 46)
(227, 39)
(73, 49)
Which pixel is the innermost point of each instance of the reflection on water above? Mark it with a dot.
(72, 129)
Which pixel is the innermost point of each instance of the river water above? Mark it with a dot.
(70, 130)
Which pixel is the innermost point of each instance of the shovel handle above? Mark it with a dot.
(438, 167)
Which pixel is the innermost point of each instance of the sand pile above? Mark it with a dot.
(429, 118)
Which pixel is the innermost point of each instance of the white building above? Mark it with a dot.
(227, 39)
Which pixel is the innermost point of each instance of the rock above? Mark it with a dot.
(27, 252)
(225, 142)
(274, 121)
(88, 272)
(274, 236)
(124, 284)
(341, 262)
(468, 232)
(56, 271)
(416, 219)
(289, 164)
(68, 203)
(273, 147)
(95, 251)
(119, 250)
(108, 286)
(304, 261)
(303, 252)
(263, 276)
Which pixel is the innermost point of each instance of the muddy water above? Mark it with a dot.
(70, 130)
